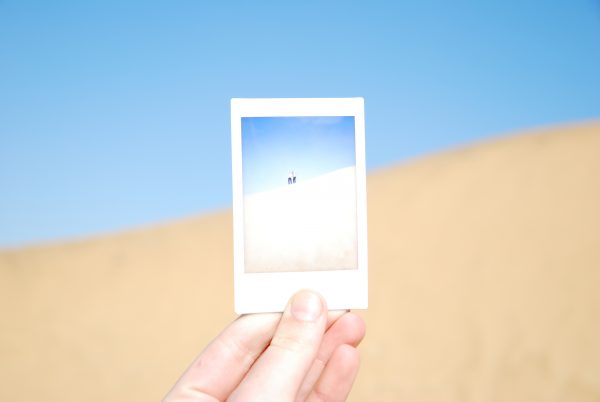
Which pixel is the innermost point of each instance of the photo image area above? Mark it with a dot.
(299, 194)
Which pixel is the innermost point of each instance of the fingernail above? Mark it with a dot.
(306, 306)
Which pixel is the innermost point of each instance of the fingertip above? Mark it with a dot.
(358, 325)
(350, 329)
(307, 305)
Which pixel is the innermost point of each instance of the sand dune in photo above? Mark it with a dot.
(306, 226)
(483, 285)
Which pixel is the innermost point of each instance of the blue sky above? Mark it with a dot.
(272, 147)
(116, 114)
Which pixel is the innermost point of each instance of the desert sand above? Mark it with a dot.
(307, 226)
(484, 286)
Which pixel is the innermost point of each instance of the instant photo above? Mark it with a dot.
(299, 201)
(299, 182)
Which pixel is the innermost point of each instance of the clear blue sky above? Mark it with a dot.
(308, 146)
(115, 114)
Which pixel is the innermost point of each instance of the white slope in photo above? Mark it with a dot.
(306, 226)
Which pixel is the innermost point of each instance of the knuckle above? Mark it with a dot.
(321, 396)
(238, 350)
(290, 343)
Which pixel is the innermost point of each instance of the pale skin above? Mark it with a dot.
(303, 354)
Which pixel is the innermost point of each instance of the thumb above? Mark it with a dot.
(279, 372)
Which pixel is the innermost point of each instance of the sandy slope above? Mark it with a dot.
(484, 278)
(307, 226)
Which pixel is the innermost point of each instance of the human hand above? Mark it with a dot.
(304, 354)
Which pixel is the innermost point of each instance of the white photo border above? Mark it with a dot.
(269, 292)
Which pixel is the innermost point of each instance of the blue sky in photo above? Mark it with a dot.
(309, 146)
(115, 114)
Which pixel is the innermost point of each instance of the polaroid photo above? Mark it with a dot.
(299, 202)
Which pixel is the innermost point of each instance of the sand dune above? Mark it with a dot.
(484, 275)
(308, 226)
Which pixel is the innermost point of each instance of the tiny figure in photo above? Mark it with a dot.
(290, 178)
(293, 177)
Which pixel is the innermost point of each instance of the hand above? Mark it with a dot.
(304, 354)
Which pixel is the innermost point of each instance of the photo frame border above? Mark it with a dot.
(270, 292)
